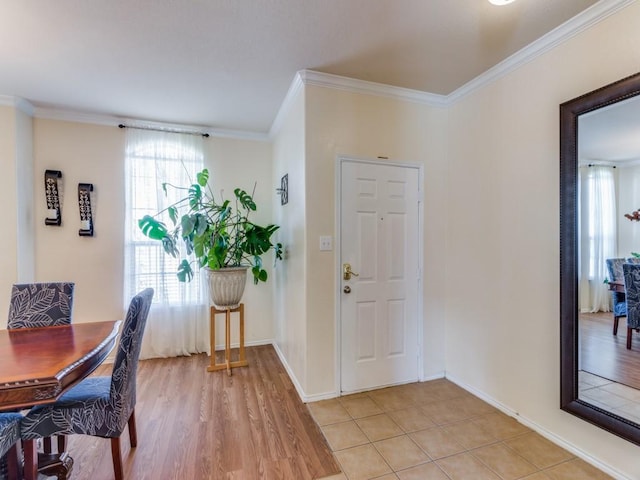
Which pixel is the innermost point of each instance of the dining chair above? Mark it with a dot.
(100, 406)
(632, 292)
(45, 304)
(40, 304)
(9, 436)
(614, 267)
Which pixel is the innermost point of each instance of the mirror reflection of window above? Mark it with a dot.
(598, 234)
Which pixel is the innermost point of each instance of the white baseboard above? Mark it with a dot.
(552, 437)
(301, 393)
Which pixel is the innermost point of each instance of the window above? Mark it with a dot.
(154, 158)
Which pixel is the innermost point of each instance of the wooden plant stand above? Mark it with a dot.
(228, 364)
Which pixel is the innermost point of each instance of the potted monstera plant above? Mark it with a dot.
(218, 236)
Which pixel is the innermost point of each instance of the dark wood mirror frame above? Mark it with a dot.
(569, 347)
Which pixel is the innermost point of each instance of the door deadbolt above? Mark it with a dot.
(347, 289)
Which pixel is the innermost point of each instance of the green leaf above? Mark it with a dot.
(245, 199)
(152, 228)
(195, 196)
(185, 273)
(187, 224)
(173, 214)
(203, 177)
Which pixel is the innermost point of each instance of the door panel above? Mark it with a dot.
(379, 238)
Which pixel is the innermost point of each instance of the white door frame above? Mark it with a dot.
(340, 159)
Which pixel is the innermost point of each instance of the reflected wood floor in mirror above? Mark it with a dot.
(606, 355)
(198, 425)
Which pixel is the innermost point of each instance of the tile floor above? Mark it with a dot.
(612, 396)
(437, 431)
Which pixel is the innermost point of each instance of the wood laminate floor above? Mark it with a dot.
(606, 355)
(195, 425)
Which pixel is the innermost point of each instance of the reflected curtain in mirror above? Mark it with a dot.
(598, 235)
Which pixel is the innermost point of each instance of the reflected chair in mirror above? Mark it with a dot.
(40, 305)
(9, 436)
(632, 291)
(614, 267)
(100, 406)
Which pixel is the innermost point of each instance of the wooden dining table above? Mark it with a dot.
(37, 365)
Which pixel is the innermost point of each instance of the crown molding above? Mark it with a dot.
(295, 87)
(114, 121)
(312, 77)
(17, 102)
(584, 20)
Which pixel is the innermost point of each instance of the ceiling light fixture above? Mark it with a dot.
(501, 2)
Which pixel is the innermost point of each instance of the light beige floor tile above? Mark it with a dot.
(504, 461)
(536, 476)
(401, 452)
(475, 406)
(344, 435)
(538, 450)
(411, 419)
(361, 463)
(326, 412)
(389, 399)
(466, 467)
(360, 406)
(379, 427)
(500, 425)
(427, 471)
(443, 389)
(442, 412)
(470, 439)
(576, 470)
(469, 435)
(436, 442)
(339, 476)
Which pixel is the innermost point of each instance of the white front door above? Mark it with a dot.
(379, 236)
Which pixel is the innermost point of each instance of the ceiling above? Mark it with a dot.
(227, 64)
(610, 134)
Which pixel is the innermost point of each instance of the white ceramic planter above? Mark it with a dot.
(226, 286)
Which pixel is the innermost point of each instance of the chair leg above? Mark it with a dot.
(133, 435)
(117, 458)
(62, 443)
(46, 445)
(12, 463)
(615, 324)
(30, 459)
(629, 330)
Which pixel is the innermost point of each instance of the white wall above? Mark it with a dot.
(25, 185)
(247, 164)
(628, 201)
(89, 154)
(8, 197)
(340, 122)
(502, 301)
(291, 285)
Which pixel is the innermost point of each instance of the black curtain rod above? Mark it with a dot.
(600, 165)
(204, 134)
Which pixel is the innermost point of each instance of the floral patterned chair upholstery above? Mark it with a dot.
(9, 435)
(614, 266)
(100, 406)
(40, 305)
(632, 291)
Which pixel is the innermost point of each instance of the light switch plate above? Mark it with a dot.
(326, 243)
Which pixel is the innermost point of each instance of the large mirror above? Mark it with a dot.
(599, 193)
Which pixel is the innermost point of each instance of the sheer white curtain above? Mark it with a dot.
(597, 235)
(178, 321)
